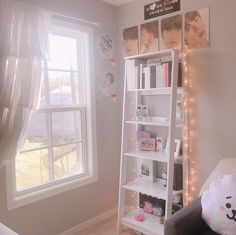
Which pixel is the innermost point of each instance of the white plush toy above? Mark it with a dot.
(219, 205)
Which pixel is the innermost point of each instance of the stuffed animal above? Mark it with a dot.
(148, 208)
(219, 205)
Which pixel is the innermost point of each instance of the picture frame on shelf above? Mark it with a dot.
(139, 112)
(146, 170)
(146, 144)
(159, 143)
(176, 149)
(178, 111)
(145, 111)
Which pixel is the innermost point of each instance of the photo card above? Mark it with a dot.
(159, 143)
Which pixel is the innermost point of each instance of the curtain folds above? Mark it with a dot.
(24, 44)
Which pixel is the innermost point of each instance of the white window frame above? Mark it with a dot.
(16, 198)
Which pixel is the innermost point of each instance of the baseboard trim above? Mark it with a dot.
(78, 228)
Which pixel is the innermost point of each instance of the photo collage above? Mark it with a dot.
(187, 31)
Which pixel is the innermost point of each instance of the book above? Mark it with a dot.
(159, 76)
(130, 74)
(147, 75)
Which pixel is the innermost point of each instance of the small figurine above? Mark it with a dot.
(157, 210)
(148, 208)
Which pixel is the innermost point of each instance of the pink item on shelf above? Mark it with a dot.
(139, 217)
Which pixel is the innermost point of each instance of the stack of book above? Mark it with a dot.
(149, 75)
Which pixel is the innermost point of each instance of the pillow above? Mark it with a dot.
(226, 166)
(219, 205)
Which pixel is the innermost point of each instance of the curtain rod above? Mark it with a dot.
(76, 19)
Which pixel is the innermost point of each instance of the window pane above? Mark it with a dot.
(63, 88)
(31, 169)
(66, 127)
(63, 53)
(37, 132)
(67, 160)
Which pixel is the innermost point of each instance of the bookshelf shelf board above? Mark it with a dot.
(150, 225)
(154, 189)
(157, 91)
(154, 123)
(159, 156)
(165, 54)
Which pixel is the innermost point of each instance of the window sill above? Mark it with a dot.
(14, 200)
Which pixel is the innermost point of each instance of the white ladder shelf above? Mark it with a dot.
(151, 224)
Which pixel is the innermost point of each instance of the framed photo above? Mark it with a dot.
(146, 144)
(145, 111)
(159, 143)
(139, 112)
(146, 170)
(176, 149)
(179, 110)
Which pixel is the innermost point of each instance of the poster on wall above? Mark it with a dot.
(107, 85)
(171, 33)
(196, 29)
(130, 41)
(149, 33)
(105, 46)
(161, 7)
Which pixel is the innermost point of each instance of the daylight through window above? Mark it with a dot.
(56, 145)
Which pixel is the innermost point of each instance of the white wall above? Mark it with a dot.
(59, 213)
(213, 73)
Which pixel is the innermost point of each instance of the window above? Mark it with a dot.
(59, 145)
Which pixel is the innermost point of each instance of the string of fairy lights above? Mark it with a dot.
(189, 123)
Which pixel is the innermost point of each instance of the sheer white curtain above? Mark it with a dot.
(23, 45)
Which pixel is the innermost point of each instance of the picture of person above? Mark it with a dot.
(171, 33)
(130, 41)
(149, 37)
(107, 85)
(158, 143)
(145, 111)
(178, 110)
(145, 170)
(196, 31)
(139, 112)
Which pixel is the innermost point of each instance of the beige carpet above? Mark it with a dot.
(107, 227)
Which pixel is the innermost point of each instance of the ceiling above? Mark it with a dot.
(116, 2)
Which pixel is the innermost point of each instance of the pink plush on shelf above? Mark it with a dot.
(139, 217)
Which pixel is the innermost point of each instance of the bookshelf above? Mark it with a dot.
(153, 83)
